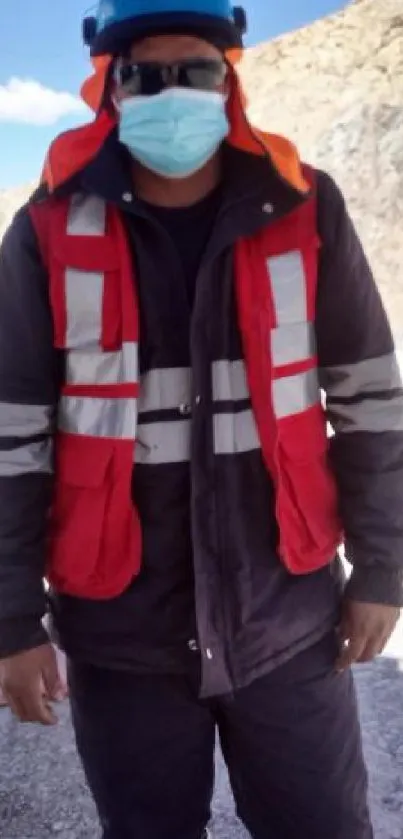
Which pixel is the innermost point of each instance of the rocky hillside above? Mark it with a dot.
(336, 89)
(10, 200)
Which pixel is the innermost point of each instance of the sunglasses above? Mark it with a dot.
(148, 78)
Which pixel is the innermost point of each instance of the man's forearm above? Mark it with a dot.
(28, 396)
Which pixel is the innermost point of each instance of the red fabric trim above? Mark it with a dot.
(88, 253)
(296, 367)
(128, 287)
(122, 391)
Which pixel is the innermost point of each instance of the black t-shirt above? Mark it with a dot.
(190, 229)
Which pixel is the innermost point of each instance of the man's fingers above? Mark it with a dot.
(53, 685)
(371, 650)
(31, 706)
(13, 705)
(350, 653)
(375, 646)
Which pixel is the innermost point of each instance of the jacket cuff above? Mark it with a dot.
(376, 584)
(18, 635)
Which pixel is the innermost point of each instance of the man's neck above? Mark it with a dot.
(176, 192)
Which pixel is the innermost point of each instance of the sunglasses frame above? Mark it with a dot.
(170, 74)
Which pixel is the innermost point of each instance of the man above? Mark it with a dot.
(198, 588)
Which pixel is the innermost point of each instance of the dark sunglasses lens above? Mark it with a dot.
(142, 79)
(202, 74)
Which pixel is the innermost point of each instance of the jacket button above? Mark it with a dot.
(209, 654)
(127, 197)
(268, 208)
(185, 409)
(198, 399)
(193, 645)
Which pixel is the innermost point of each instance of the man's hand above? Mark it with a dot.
(365, 630)
(30, 682)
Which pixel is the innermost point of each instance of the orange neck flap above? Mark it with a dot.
(73, 150)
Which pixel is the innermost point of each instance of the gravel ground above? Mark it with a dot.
(43, 793)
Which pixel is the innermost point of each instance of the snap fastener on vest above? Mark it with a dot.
(268, 208)
(185, 409)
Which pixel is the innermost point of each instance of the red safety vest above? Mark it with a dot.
(95, 535)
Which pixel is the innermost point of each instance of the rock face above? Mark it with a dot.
(336, 89)
(10, 201)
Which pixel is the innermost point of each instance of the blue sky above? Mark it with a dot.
(43, 62)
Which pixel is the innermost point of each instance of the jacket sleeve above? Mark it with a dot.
(361, 379)
(28, 394)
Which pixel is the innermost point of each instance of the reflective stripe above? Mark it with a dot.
(84, 294)
(163, 442)
(370, 376)
(294, 394)
(97, 367)
(287, 277)
(165, 388)
(291, 343)
(229, 381)
(87, 216)
(376, 415)
(24, 420)
(36, 457)
(116, 418)
(234, 433)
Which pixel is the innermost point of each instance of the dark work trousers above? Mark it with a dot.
(291, 742)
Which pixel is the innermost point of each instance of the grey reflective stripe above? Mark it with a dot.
(294, 394)
(87, 216)
(115, 418)
(234, 433)
(374, 415)
(84, 289)
(287, 277)
(291, 343)
(229, 381)
(84, 296)
(24, 420)
(33, 458)
(165, 388)
(163, 442)
(369, 376)
(97, 367)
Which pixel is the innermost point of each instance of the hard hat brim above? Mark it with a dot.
(117, 37)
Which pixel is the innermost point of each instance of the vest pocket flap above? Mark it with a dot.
(302, 436)
(82, 461)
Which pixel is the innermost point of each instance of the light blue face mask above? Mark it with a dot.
(176, 132)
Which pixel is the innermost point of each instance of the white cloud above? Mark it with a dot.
(28, 101)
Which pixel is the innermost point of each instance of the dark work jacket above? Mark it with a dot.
(212, 597)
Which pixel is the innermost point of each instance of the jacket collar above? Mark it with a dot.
(248, 180)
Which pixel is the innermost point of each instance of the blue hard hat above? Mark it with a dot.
(117, 23)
